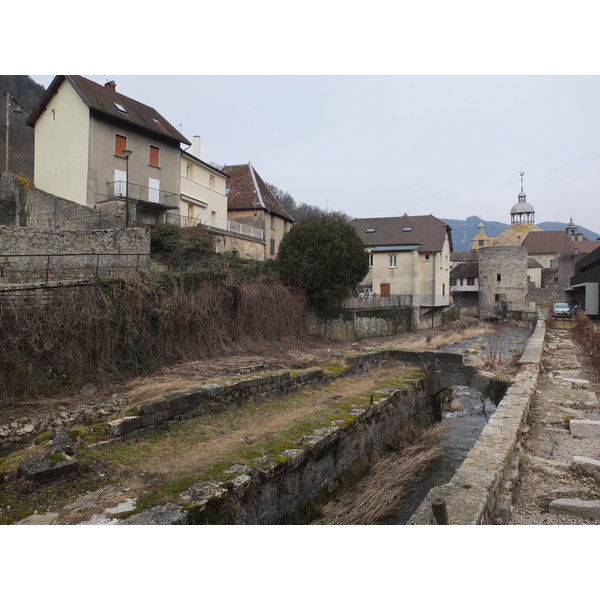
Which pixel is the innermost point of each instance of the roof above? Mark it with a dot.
(515, 234)
(426, 231)
(586, 246)
(207, 165)
(248, 191)
(533, 264)
(463, 257)
(548, 242)
(465, 270)
(102, 101)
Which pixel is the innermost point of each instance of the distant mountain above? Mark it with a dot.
(464, 231)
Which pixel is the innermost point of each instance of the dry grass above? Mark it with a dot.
(376, 497)
(438, 340)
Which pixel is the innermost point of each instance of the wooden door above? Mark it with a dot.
(384, 290)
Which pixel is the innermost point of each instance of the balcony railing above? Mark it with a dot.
(143, 194)
(218, 223)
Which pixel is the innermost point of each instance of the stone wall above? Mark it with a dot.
(357, 324)
(33, 255)
(23, 205)
(502, 279)
(480, 491)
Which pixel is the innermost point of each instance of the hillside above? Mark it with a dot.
(28, 93)
(464, 231)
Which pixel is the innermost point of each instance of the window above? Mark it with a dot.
(498, 276)
(154, 191)
(462, 282)
(272, 247)
(154, 153)
(470, 280)
(272, 223)
(370, 261)
(481, 242)
(120, 144)
(53, 111)
(392, 261)
(496, 297)
(370, 230)
(409, 228)
(188, 170)
(120, 107)
(426, 257)
(211, 182)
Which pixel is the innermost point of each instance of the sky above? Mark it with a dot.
(380, 146)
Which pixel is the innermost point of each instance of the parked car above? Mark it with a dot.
(561, 310)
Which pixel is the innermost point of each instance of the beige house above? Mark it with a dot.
(408, 256)
(202, 191)
(251, 204)
(83, 134)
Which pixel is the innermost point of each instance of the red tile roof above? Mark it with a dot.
(426, 230)
(247, 191)
(101, 100)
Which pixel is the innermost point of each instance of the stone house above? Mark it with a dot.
(408, 255)
(252, 204)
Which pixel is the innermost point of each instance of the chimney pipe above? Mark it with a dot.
(111, 85)
(196, 148)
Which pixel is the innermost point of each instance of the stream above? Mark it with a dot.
(472, 411)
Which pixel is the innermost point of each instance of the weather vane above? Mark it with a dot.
(522, 173)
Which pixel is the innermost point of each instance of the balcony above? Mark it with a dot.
(143, 195)
(219, 224)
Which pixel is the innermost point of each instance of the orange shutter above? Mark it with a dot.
(120, 144)
(154, 156)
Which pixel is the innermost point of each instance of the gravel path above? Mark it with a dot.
(566, 390)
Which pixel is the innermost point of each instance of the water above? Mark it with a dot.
(472, 412)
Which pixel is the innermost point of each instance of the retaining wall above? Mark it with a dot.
(480, 491)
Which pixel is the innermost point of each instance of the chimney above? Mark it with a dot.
(111, 85)
(196, 147)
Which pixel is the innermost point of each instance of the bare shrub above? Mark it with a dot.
(586, 334)
(376, 497)
(126, 327)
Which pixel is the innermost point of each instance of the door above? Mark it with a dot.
(384, 290)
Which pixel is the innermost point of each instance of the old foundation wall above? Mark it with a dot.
(480, 491)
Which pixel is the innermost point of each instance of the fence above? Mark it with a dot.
(374, 301)
(15, 268)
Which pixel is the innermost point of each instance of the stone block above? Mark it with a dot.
(574, 507)
(125, 425)
(584, 428)
(589, 467)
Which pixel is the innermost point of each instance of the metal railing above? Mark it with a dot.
(17, 268)
(142, 193)
(219, 224)
(375, 301)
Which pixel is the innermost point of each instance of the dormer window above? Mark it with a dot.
(120, 107)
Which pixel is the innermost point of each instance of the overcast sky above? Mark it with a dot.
(380, 146)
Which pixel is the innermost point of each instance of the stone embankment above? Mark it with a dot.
(538, 459)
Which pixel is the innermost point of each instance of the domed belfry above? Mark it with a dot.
(522, 221)
(522, 211)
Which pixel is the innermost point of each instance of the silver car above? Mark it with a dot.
(561, 310)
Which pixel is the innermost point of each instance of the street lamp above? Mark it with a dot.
(126, 154)
(16, 110)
